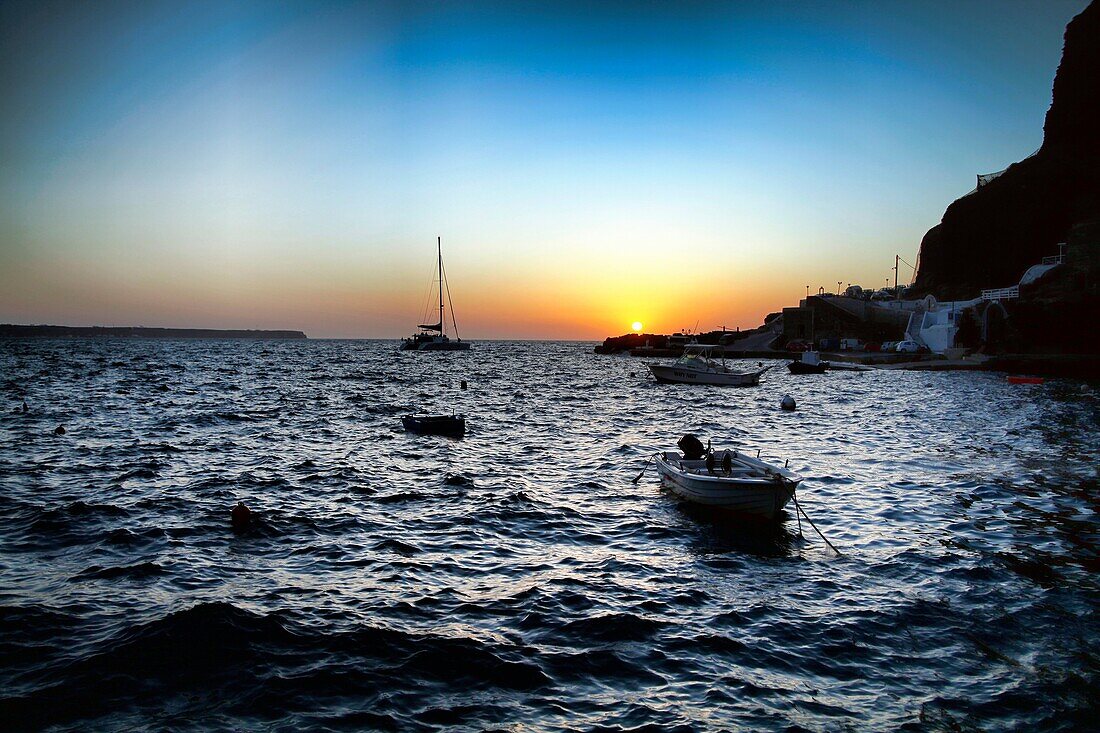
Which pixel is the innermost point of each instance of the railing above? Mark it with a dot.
(1001, 293)
(1054, 260)
(985, 178)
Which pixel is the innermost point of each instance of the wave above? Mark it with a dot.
(611, 627)
(139, 571)
(259, 664)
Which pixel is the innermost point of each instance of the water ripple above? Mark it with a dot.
(516, 578)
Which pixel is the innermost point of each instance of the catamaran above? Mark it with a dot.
(433, 337)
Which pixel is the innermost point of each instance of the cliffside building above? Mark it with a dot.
(818, 317)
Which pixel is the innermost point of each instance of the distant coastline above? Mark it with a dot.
(9, 330)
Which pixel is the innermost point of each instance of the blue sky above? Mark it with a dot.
(290, 165)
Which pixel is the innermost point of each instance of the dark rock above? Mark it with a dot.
(615, 344)
(988, 238)
(59, 430)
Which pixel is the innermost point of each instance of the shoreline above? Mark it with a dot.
(1073, 366)
(14, 331)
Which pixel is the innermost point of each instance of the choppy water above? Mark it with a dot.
(517, 579)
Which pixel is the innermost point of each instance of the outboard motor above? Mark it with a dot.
(692, 447)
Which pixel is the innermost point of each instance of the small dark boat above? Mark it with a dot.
(450, 425)
(809, 364)
(798, 367)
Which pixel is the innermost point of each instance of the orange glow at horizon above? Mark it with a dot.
(510, 301)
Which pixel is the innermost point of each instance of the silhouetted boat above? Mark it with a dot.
(450, 425)
(728, 480)
(433, 337)
(808, 364)
(697, 366)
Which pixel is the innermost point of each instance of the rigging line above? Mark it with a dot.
(428, 301)
(447, 286)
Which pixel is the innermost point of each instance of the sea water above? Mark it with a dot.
(517, 579)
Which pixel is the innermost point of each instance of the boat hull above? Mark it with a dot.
(450, 425)
(409, 345)
(758, 499)
(452, 346)
(798, 367)
(678, 375)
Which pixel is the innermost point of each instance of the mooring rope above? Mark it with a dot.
(797, 515)
(644, 469)
(803, 512)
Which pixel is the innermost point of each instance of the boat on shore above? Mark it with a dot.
(727, 480)
(697, 365)
(453, 426)
(810, 363)
(433, 337)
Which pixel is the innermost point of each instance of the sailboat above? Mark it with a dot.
(433, 337)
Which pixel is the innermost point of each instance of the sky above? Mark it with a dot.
(588, 165)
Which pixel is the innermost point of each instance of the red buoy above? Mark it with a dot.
(1012, 379)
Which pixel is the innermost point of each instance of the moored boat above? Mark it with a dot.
(450, 425)
(698, 366)
(728, 480)
(433, 336)
(810, 363)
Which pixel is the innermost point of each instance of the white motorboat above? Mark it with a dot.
(433, 336)
(697, 365)
(730, 481)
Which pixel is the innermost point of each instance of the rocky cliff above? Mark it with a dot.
(991, 236)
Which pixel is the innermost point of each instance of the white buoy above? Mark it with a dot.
(787, 403)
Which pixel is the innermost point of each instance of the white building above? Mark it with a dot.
(934, 324)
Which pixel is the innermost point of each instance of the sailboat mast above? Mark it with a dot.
(439, 252)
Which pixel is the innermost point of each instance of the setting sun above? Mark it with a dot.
(636, 326)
